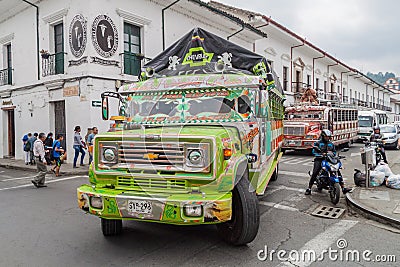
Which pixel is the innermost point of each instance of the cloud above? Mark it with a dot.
(361, 33)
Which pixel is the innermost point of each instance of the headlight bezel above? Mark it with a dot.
(204, 164)
(114, 150)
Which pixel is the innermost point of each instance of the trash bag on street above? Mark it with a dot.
(383, 167)
(377, 178)
(359, 178)
(393, 181)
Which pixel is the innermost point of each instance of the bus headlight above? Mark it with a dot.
(109, 155)
(196, 158)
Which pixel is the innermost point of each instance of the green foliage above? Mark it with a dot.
(380, 77)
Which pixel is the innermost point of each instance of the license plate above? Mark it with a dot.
(140, 206)
(292, 143)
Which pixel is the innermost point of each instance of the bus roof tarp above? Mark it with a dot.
(201, 52)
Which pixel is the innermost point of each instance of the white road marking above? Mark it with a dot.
(303, 175)
(322, 242)
(282, 187)
(270, 191)
(20, 178)
(277, 206)
(48, 182)
(355, 154)
(296, 174)
(296, 161)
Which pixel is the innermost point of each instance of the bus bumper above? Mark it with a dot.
(179, 209)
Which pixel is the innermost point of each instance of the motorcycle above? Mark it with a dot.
(328, 177)
(377, 146)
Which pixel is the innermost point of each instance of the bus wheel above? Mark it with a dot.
(274, 176)
(111, 227)
(244, 224)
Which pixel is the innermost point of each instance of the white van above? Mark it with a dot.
(367, 119)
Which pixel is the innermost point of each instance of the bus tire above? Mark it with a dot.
(275, 174)
(245, 221)
(111, 227)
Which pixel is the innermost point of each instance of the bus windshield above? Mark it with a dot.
(309, 115)
(365, 121)
(180, 106)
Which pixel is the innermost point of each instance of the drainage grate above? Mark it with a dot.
(328, 212)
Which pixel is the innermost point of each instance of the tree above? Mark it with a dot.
(380, 77)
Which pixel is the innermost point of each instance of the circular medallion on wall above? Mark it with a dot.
(78, 35)
(104, 36)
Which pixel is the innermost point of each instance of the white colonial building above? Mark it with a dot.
(57, 57)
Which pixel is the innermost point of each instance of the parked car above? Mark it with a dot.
(391, 135)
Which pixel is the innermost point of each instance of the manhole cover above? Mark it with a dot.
(328, 212)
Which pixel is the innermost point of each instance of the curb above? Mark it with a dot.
(23, 168)
(372, 213)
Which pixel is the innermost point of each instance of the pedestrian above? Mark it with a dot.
(27, 148)
(79, 145)
(57, 151)
(90, 140)
(32, 141)
(48, 146)
(39, 152)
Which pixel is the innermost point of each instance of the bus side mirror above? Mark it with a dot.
(104, 108)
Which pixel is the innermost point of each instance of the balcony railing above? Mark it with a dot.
(299, 87)
(53, 64)
(6, 76)
(132, 63)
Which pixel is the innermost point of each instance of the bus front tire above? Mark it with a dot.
(245, 221)
(111, 227)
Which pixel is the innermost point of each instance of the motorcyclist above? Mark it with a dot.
(325, 145)
(375, 136)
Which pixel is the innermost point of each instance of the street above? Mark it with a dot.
(44, 227)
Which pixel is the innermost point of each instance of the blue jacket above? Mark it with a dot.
(324, 147)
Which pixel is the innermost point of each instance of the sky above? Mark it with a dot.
(361, 33)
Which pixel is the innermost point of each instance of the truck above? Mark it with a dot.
(304, 122)
(194, 142)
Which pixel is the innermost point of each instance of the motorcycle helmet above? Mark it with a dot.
(376, 128)
(326, 133)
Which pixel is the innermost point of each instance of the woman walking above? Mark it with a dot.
(79, 145)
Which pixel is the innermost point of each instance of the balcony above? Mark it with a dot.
(6, 76)
(299, 87)
(53, 64)
(132, 63)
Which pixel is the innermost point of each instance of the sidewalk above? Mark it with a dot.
(66, 169)
(378, 203)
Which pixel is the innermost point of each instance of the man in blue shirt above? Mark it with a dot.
(57, 151)
(90, 142)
